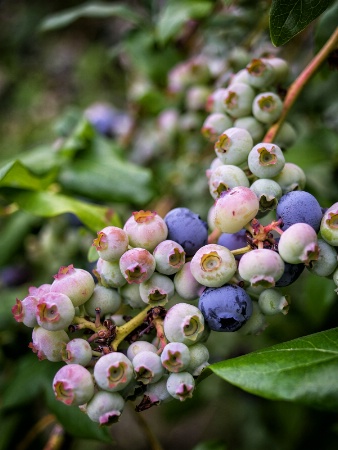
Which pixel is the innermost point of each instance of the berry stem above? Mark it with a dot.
(297, 86)
(124, 330)
(82, 323)
(158, 323)
(213, 236)
(241, 251)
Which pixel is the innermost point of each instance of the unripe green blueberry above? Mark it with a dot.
(145, 229)
(226, 177)
(181, 385)
(158, 290)
(267, 107)
(329, 225)
(214, 125)
(199, 357)
(113, 371)
(215, 163)
(25, 311)
(233, 145)
(131, 295)
(175, 357)
(280, 67)
(138, 347)
(73, 385)
(272, 301)
(256, 324)
(286, 136)
(137, 265)
(186, 285)
(299, 244)
(105, 408)
(268, 193)
(253, 126)
(183, 323)
(48, 344)
(77, 284)
(147, 367)
(158, 392)
(213, 265)
(261, 267)
(242, 76)
(109, 274)
(111, 243)
(169, 257)
(266, 160)
(196, 97)
(261, 73)
(77, 351)
(214, 102)
(235, 208)
(291, 178)
(238, 99)
(326, 262)
(108, 300)
(54, 311)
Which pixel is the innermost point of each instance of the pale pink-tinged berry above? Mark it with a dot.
(181, 385)
(145, 229)
(329, 225)
(108, 300)
(113, 371)
(137, 265)
(77, 284)
(261, 267)
(169, 257)
(175, 357)
(55, 311)
(105, 408)
(73, 385)
(299, 244)
(148, 367)
(48, 344)
(77, 351)
(157, 290)
(25, 311)
(109, 274)
(183, 323)
(111, 243)
(186, 285)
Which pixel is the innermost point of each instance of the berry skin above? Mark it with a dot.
(261, 267)
(137, 265)
(77, 351)
(286, 136)
(186, 285)
(253, 126)
(291, 273)
(113, 372)
(199, 357)
(233, 241)
(261, 73)
(25, 311)
(158, 392)
(138, 347)
(169, 257)
(157, 290)
(327, 260)
(214, 125)
(77, 284)
(235, 208)
(54, 311)
(256, 323)
(213, 265)
(329, 225)
(148, 367)
(145, 229)
(175, 357)
(48, 344)
(225, 308)
(111, 243)
(226, 177)
(267, 107)
(187, 229)
(183, 323)
(238, 98)
(181, 385)
(291, 178)
(233, 145)
(273, 302)
(268, 193)
(108, 300)
(73, 385)
(109, 273)
(299, 244)
(299, 206)
(105, 408)
(131, 295)
(266, 160)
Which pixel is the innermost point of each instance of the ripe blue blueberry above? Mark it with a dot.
(226, 308)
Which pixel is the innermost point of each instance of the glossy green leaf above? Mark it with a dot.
(74, 421)
(303, 370)
(177, 12)
(97, 10)
(289, 18)
(48, 204)
(109, 180)
(16, 175)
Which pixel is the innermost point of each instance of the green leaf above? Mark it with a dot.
(303, 370)
(16, 175)
(48, 204)
(9, 426)
(289, 18)
(177, 12)
(111, 180)
(97, 10)
(74, 421)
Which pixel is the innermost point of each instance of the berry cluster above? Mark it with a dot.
(138, 328)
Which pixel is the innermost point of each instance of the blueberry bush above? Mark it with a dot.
(169, 238)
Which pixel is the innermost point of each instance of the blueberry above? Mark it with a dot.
(187, 229)
(233, 241)
(291, 273)
(226, 308)
(299, 206)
